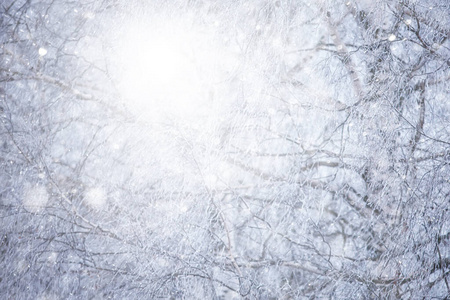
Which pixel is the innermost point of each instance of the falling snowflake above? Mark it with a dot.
(42, 51)
(35, 198)
(95, 198)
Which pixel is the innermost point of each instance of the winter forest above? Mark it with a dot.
(222, 149)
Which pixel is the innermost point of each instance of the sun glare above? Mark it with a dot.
(166, 70)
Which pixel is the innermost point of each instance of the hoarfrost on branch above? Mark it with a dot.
(224, 149)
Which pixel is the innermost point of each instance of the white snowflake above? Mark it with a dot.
(42, 51)
(95, 197)
(35, 198)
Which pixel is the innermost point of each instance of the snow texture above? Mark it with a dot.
(221, 149)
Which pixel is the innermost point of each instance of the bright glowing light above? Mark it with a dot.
(167, 70)
(151, 64)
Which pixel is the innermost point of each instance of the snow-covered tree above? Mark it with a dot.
(224, 149)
